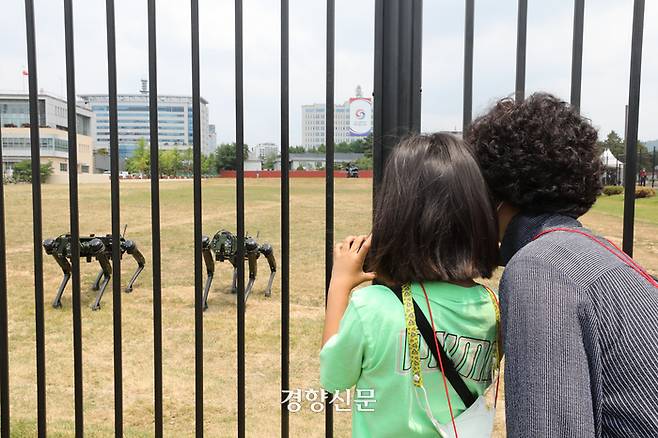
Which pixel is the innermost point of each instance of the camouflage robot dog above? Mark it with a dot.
(223, 247)
(98, 247)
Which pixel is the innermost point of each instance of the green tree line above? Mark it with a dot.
(176, 162)
(617, 146)
(22, 171)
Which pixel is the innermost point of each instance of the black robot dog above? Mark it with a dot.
(98, 247)
(224, 247)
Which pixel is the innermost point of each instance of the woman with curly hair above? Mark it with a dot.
(580, 319)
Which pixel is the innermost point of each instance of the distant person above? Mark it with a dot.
(434, 232)
(643, 177)
(580, 319)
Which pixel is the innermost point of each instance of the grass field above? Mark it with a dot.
(352, 208)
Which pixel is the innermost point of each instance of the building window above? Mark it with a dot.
(62, 167)
(84, 168)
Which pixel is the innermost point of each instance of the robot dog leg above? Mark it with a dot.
(267, 250)
(210, 268)
(131, 248)
(50, 246)
(251, 254)
(97, 249)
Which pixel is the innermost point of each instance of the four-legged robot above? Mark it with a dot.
(98, 247)
(224, 246)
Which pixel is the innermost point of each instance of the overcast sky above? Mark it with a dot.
(605, 64)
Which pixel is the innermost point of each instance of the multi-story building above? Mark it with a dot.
(263, 151)
(53, 133)
(314, 122)
(175, 128)
(212, 138)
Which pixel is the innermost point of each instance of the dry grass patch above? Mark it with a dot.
(353, 203)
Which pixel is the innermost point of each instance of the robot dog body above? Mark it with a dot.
(98, 247)
(223, 246)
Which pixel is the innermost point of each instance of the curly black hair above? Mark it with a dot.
(539, 155)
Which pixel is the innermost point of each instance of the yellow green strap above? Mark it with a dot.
(494, 301)
(413, 334)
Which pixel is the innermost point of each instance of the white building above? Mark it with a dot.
(212, 138)
(314, 121)
(264, 150)
(313, 161)
(175, 128)
(53, 134)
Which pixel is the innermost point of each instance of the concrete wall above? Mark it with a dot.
(83, 178)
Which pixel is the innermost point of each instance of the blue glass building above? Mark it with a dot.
(174, 121)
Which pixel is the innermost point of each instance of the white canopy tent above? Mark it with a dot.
(610, 161)
(614, 169)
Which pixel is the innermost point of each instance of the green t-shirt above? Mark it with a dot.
(370, 351)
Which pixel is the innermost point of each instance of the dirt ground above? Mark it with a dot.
(263, 315)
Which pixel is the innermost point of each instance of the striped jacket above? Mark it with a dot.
(580, 331)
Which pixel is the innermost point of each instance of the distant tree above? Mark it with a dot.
(615, 143)
(297, 149)
(103, 151)
(364, 163)
(343, 147)
(171, 162)
(300, 167)
(645, 157)
(617, 146)
(140, 160)
(367, 146)
(225, 156)
(23, 171)
(208, 164)
(269, 161)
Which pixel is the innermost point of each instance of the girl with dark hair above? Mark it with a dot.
(434, 232)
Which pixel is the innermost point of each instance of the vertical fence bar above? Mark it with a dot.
(329, 180)
(378, 146)
(285, 218)
(416, 28)
(521, 31)
(74, 216)
(239, 156)
(155, 220)
(198, 268)
(4, 336)
(632, 125)
(115, 204)
(577, 52)
(653, 167)
(36, 219)
(468, 64)
(397, 77)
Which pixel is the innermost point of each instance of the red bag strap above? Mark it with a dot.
(614, 249)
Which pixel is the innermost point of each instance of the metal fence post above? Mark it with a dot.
(468, 65)
(285, 218)
(329, 180)
(75, 226)
(155, 221)
(35, 151)
(521, 36)
(577, 52)
(4, 338)
(632, 126)
(198, 264)
(397, 94)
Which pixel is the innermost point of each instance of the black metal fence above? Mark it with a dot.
(397, 91)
